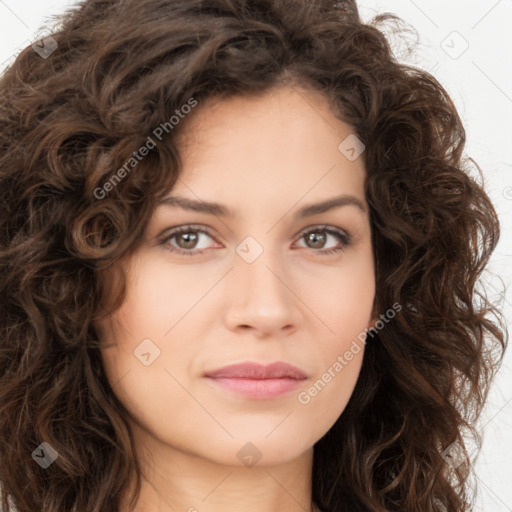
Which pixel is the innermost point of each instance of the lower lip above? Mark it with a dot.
(262, 389)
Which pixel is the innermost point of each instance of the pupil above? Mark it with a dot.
(189, 244)
(315, 239)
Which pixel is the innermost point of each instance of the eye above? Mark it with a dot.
(318, 235)
(186, 239)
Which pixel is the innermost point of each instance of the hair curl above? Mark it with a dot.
(68, 121)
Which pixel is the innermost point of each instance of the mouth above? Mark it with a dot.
(253, 380)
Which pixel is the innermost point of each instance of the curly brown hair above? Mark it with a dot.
(121, 68)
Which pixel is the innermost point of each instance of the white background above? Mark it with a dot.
(479, 81)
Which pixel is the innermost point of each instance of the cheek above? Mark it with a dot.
(344, 305)
(342, 298)
(330, 389)
(151, 394)
(157, 299)
(145, 329)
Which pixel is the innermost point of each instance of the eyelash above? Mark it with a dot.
(345, 239)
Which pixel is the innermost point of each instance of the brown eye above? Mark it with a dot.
(185, 240)
(189, 239)
(317, 237)
(317, 241)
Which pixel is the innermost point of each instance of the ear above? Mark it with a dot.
(374, 319)
(372, 322)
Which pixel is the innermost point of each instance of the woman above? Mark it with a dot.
(239, 254)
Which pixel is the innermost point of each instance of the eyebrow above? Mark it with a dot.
(222, 211)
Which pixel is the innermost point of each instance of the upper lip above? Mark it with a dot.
(255, 371)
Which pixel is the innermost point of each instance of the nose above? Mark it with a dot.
(261, 297)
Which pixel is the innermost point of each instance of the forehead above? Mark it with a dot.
(286, 139)
(217, 112)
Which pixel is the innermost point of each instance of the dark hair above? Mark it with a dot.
(121, 68)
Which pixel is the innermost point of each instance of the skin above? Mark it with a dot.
(263, 157)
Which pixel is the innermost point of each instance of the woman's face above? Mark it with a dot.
(260, 284)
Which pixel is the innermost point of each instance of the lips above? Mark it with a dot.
(257, 371)
(257, 381)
